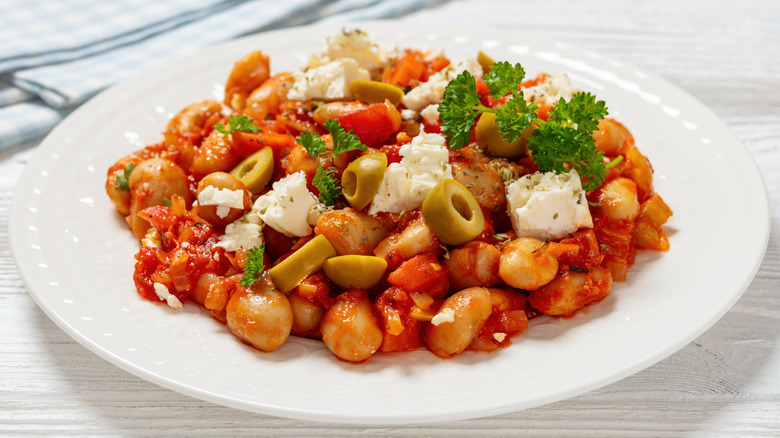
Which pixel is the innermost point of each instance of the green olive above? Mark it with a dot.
(355, 270)
(490, 138)
(375, 91)
(485, 61)
(452, 213)
(288, 274)
(256, 170)
(361, 180)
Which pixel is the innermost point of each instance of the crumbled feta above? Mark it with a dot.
(548, 205)
(424, 163)
(407, 114)
(287, 207)
(431, 114)
(244, 233)
(151, 239)
(355, 44)
(224, 199)
(550, 91)
(331, 81)
(444, 315)
(164, 294)
(498, 336)
(432, 91)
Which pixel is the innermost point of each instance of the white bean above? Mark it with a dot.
(526, 265)
(151, 183)
(261, 317)
(618, 199)
(463, 315)
(350, 327)
(306, 316)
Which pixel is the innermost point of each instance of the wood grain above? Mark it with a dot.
(725, 383)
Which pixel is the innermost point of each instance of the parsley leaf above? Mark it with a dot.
(238, 122)
(328, 186)
(565, 140)
(461, 106)
(583, 110)
(514, 117)
(504, 78)
(254, 266)
(458, 110)
(313, 143)
(123, 182)
(343, 141)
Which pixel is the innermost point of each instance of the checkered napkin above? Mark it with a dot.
(54, 55)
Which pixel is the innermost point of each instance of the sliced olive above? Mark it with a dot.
(452, 213)
(355, 270)
(291, 271)
(375, 91)
(256, 170)
(489, 137)
(361, 180)
(485, 61)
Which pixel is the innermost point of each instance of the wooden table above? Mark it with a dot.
(727, 382)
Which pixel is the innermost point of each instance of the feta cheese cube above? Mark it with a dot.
(551, 91)
(446, 315)
(164, 294)
(424, 163)
(244, 233)
(548, 205)
(431, 114)
(432, 91)
(356, 45)
(331, 81)
(224, 199)
(287, 207)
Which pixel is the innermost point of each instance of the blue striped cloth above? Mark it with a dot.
(55, 55)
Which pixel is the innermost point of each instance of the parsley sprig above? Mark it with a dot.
(461, 105)
(238, 122)
(122, 182)
(565, 140)
(313, 143)
(343, 141)
(254, 266)
(327, 184)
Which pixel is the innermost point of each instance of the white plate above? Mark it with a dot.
(76, 254)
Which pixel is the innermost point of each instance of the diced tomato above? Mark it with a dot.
(146, 264)
(391, 150)
(245, 144)
(650, 236)
(655, 210)
(372, 124)
(538, 80)
(407, 70)
(161, 217)
(507, 319)
(488, 233)
(401, 332)
(421, 273)
(616, 243)
(588, 254)
(436, 65)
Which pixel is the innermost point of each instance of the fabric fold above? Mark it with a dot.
(47, 75)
